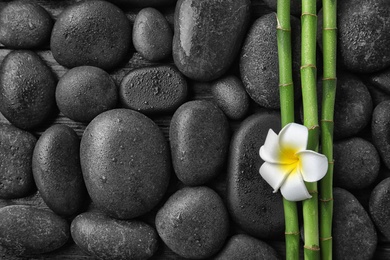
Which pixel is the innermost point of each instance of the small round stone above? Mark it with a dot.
(16, 150)
(57, 171)
(84, 92)
(95, 33)
(27, 230)
(208, 36)
(125, 162)
(354, 234)
(230, 95)
(251, 202)
(152, 35)
(27, 89)
(153, 90)
(379, 207)
(363, 45)
(24, 25)
(353, 106)
(357, 163)
(194, 222)
(108, 238)
(199, 138)
(258, 62)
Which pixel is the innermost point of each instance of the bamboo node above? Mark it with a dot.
(313, 191)
(329, 28)
(330, 78)
(286, 85)
(312, 248)
(280, 27)
(325, 200)
(292, 233)
(310, 14)
(308, 66)
(327, 120)
(331, 162)
(326, 238)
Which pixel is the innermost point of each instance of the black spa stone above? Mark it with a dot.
(363, 44)
(380, 131)
(251, 202)
(57, 171)
(380, 80)
(259, 60)
(379, 207)
(152, 35)
(125, 162)
(199, 139)
(24, 25)
(153, 90)
(108, 238)
(230, 95)
(193, 223)
(28, 230)
(208, 36)
(84, 92)
(354, 235)
(357, 163)
(16, 150)
(95, 33)
(27, 89)
(244, 247)
(353, 106)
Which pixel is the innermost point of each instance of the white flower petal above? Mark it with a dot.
(275, 174)
(293, 137)
(293, 188)
(270, 151)
(313, 165)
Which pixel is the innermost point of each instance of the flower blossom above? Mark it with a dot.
(287, 163)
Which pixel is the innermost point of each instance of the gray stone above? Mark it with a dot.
(199, 139)
(125, 163)
(208, 36)
(251, 201)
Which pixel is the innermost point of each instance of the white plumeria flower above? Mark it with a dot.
(287, 163)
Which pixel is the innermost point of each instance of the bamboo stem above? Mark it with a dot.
(286, 90)
(310, 113)
(329, 83)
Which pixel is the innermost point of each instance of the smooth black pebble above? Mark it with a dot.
(16, 151)
(95, 33)
(230, 95)
(27, 230)
(84, 92)
(199, 138)
(354, 235)
(108, 238)
(25, 25)
(380, 131)
(194, 222)
(152, 35)
(251, 202)
(153, 90)
(379, 207)
(57, 171)
(208, 36)
(27, 89)
(125, 162)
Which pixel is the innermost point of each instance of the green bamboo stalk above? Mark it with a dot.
(329, 42)
(286, 90)
(310, 114)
